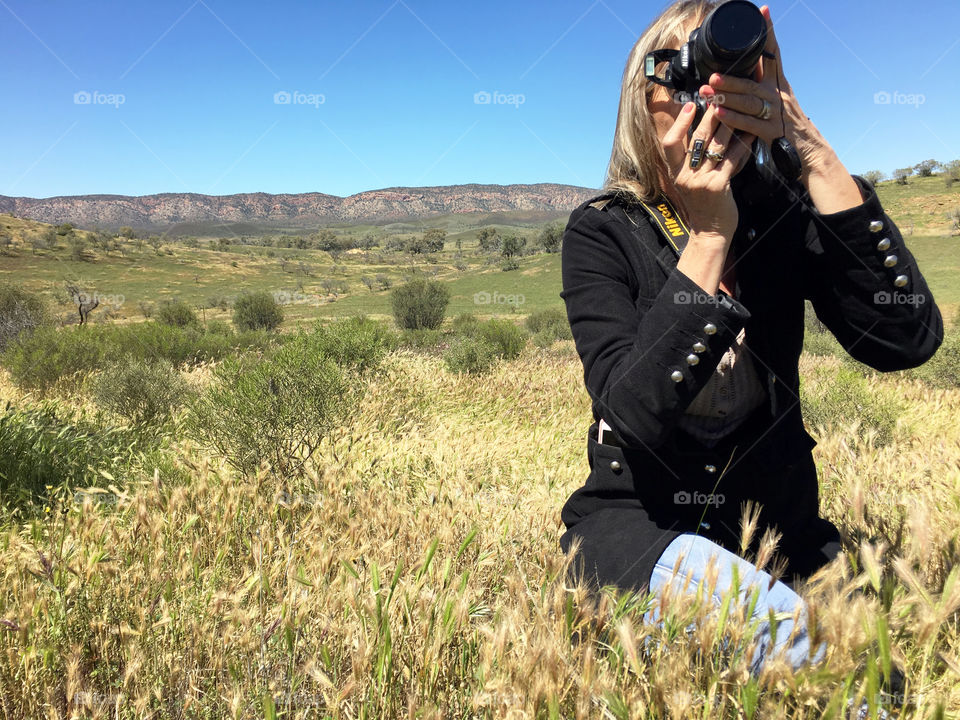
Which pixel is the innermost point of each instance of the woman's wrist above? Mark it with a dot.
(703, 258)
(831, 187)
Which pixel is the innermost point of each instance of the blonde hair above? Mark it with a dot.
(637, 160)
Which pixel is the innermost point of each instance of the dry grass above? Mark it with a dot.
(415, 572)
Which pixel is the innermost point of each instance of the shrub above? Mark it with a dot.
(422, 339)
(507, 339)
(20, 311)
(50, 355)
(472, 355)
(465, 324)
(219, 327)
(549, 325)
(144, 392)
(358, 342)
(420, 304)
(178, 314)
(842, 396)
(276, 410)
(257, 311)
(46, 444)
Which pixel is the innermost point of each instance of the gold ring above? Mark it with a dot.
(715, 156)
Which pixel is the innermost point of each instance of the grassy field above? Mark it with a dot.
(411, 568)
(196, 275)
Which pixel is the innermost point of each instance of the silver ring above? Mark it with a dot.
(764, 114)
(715, 156)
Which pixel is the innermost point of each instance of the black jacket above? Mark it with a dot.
(635, 320)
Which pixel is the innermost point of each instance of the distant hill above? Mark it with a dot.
(262, 210)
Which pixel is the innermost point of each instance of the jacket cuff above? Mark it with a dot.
(863, 237)
(705, 326)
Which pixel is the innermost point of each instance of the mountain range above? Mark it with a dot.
(167, 211)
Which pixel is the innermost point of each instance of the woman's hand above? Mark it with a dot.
(740, 101)
(704, 191)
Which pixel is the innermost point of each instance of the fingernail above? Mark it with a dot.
(716, 79)
(689, 107)
(721, 111)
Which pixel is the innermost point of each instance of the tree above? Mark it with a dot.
(926, 168)
(512, 245)
(550, 237)
(126, 232)
(420, 304)
(873, 176)
(433, 239)
(78, 245)
(901, 175)
(488, 239)
(257, 311)
(951, 171)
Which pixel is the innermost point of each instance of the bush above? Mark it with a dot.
(465, 324)
(422, 339)
(177, 314)
(276, 410)
(50, 355)
(219, 327)
(507, 339)
(840, 397)
(20, 311)
(47, 445)
(144, 392)
(257, 311)
(420, 304)
(472, 355)
(357, 342)
(549, 325)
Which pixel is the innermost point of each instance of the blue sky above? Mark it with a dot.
(182, 92)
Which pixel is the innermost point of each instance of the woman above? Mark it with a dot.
(692, 362)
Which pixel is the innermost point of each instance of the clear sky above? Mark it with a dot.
(182, 95)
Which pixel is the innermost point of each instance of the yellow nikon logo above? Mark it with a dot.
(669, 222)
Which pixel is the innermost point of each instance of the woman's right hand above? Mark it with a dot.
(711, 210)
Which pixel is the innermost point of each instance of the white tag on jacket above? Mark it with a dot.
(603, 426)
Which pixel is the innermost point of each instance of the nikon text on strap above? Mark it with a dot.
(668, 220)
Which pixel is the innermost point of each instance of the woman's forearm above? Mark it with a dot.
(830, 185)
(703, 259)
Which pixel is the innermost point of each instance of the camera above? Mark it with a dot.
(730, 41)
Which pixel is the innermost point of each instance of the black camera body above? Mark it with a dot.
(730, 41)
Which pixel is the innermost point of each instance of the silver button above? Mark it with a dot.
(705, 525)
(890, 261)
(710, 329)
(883, 245)
(710, 468)
(876, 226)
(676, 376)
(615, 465)
(751, 234)
(692, 359)
(699, 347)
(900, 280)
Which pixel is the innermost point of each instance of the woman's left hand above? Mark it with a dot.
(739, 101)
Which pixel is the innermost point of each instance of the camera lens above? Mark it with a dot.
(732, 39)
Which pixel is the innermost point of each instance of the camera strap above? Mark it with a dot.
(668, 220)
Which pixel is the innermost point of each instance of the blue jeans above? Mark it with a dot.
(696, 552)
